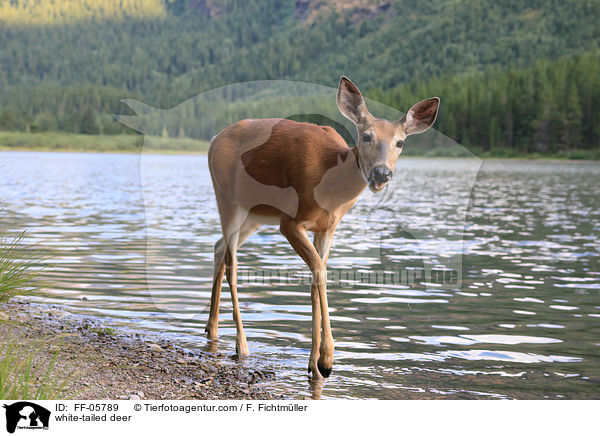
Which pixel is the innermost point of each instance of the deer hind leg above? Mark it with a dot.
(296, 235)
(212, 327)
(231, 265)
(221, 260)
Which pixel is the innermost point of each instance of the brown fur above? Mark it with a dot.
(302, 177)
(295, 155)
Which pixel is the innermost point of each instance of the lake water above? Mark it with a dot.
(524, 321)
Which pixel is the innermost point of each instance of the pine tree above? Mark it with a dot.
(495, 133)
(7, 120)
(89, 123)
(571, 137)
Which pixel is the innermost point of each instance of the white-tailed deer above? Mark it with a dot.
(302, 177)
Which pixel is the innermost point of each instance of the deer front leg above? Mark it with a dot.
(296, 235)
(316, 331)
(325, 362)
(322, 243)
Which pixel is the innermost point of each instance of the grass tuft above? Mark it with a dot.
(25, 373)
(19, 267)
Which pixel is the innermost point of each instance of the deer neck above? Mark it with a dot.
(352, 172)
(341, 183)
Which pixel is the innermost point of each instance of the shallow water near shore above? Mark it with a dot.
(524, 321)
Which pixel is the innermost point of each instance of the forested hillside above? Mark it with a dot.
(66, 63)
(549, 107)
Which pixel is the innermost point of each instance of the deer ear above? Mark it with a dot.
(421, 116)
(350, 101)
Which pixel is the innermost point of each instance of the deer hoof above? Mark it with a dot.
(315, 370)
(325, 372)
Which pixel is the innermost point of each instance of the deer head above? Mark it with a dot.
(380, 141)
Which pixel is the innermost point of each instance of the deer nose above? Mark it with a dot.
(381, 174)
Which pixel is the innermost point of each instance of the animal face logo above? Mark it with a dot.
(26, 415)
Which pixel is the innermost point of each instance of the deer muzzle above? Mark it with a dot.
(378, 177)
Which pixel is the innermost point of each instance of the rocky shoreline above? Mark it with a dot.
(95, 362)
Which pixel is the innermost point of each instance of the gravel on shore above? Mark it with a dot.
(98, 363)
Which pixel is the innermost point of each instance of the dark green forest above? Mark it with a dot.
(550, 107)
(513, 76)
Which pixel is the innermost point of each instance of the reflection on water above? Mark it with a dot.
(524, 323)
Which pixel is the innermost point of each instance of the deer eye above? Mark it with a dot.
(400, 143)
(366, 137)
